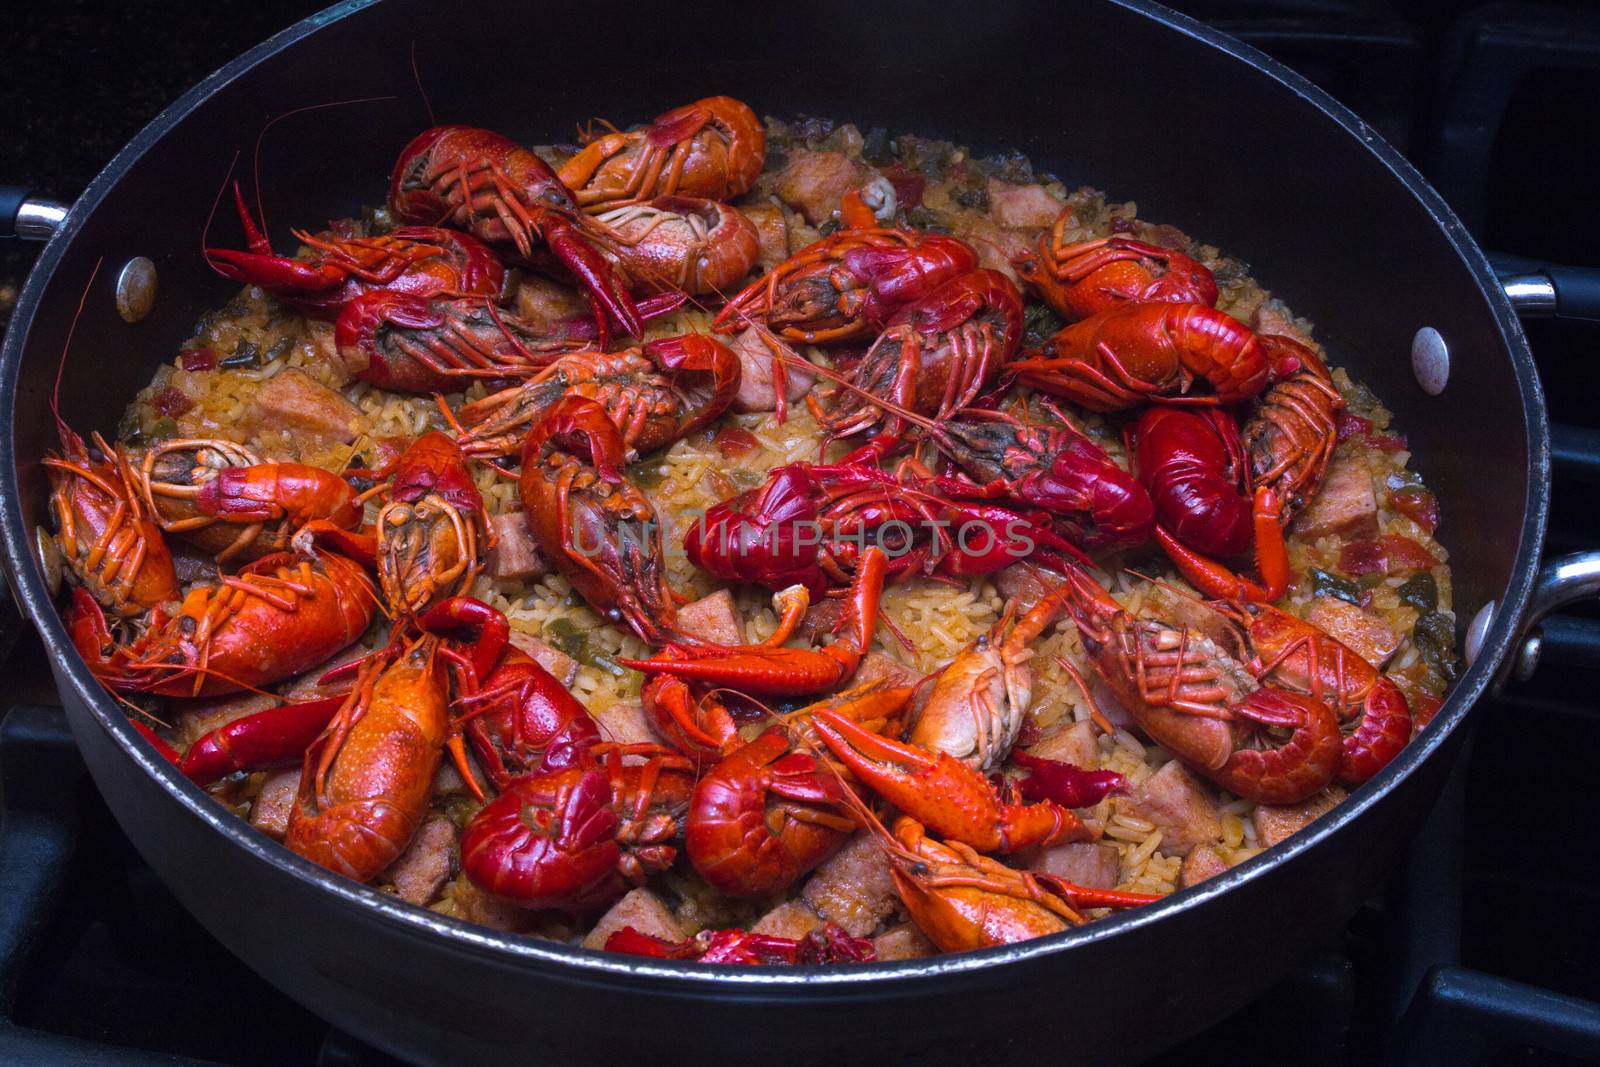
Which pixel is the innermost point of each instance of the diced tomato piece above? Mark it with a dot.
(1418, 505)
(908, 186)
(736, 441)
(1405, 556)
(1351, 425)
(1391, 554)
(385, 451)
(1387, 442)
(1030, 734)
(1362, 557)
(197, 358)
(1423, 708)
(171, 402)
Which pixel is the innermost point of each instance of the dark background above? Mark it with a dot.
(79, 78)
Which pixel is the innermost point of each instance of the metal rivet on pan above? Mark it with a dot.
(49, 558)
(1528, 657)
(1477, 630)
(136, 289)
(1430, 360)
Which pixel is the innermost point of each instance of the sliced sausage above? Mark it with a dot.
(642, 910)
(1275, 822)
(1360, 631)
(792, 918)
(1082, 863)
(854, 887)
(756, 389)
(1345, 505)
(814, 182)
(903, 942)
(1022, 207)
(270, 812)
(515, 553)
(1179, 805)
(1074, 745)
(293, 401)
(426, 864)
(1204, 862)
(713, 618)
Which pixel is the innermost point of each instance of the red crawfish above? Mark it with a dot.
(522, 720)
(763, 816)
(828, 943)
(1052, 466)
(367, 779)
(706, 727)
(714, 148)
(279, 616)
(276, 737)
(477, 180)
(340, 266)
(768, 812)
(1194, 467)
(431, 531)
(1290, 434)
(220, 497)
(106, 533)
(809, 522)
(770, 670)
(597, 529)
(577, 839)
(1194, 693)
(944, 793)
(848, 285)
(679, 244)
(432, 528)
(1134, 353)
(934, 356)
(1082, 279)
(655, 394)
(963, 901)
(443, 344)
(978, 703)
(1291, 652)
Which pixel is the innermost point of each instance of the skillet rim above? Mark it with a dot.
(575, 963)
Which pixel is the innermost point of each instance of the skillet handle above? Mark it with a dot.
(29, 217)
(1539, 290)
(1562, 581)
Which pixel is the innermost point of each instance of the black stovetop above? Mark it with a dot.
(1468, 956)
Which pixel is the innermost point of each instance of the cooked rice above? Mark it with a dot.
(693, 474)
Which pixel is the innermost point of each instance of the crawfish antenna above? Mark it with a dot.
(416, 76)
(255, 162)
(66, 347)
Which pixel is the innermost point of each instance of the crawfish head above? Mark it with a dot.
(846, 285)
(936, 355)
(598, 530)
(420, 344)
(769, 535)
(523, 719)
(421, 260)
